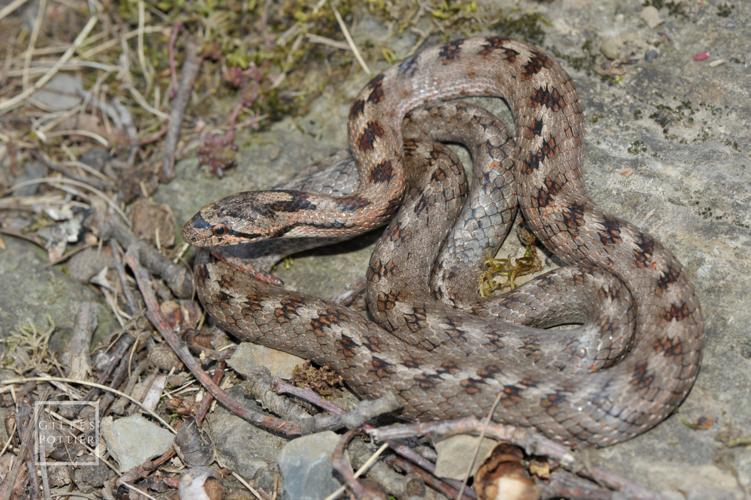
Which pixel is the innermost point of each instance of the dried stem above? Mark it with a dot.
(188, 76)
(532, 442)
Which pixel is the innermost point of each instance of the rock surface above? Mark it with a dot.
(306, 467)
(248, 356)
(40, 291)
(455, 453)
(244, 448)
(133, 440)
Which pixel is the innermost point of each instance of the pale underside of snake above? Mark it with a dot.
(445, 362)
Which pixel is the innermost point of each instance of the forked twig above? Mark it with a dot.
(532, 442)
(362, 413)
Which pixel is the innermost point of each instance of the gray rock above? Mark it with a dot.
(90, 478)
(63, 92)
(32, 170)
(38, 291)
(651, 55)
(651, 16)
(133, 440)
(610, 47)
(306, 467)
(244, 448)
(88, 263)
(455, 453)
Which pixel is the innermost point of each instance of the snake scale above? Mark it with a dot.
(448, 362)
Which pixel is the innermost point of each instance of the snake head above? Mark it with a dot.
(237, 219)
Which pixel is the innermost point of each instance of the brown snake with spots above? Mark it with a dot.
(444, 362)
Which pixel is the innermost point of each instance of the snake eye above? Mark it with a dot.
(218, 229)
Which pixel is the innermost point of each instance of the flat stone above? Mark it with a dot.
(133, 440)
(32, 291)
(245, 448)
(248, 356)
(306, 467)
(651, 16)
(610, 47)
(456, 453)
(62, 92)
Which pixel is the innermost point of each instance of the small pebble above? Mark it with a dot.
(61, 93)
(88, 263)
(610, 48)
(133, 440)
(651, 55)
(306, 466)
(247, 356)
(32, 170)
(651, 16)
(701, 56)
(97, 157)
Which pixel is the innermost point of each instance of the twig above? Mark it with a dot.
(17, 381)
(25, 435)
(188, 75)
(381, 471)
(8, 9)
(405, 451)
(41, 9)
(14, 101)
(153, 313)
(141, 101)
(176, 277)
(31, 239)
(205, 404)
(117, 260)
(342, 466)
(89, 53)
(565, 484)
(350, 41)
(146, 468)
(25, 414)
(141, 56)
(85, 168)
(264, 388)
(306, 394)
(76, 357)
(119, 376)
(122, 346)
(102, 182)
(63, 180)
(430, 479)
(532, 442)
(364, 411)
(174, 31)
(326, 41)
(485, 423)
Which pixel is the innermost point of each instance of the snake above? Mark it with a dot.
(441, 359)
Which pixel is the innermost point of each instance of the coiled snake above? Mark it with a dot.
(588, 386)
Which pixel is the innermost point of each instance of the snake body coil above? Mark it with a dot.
(444, 362)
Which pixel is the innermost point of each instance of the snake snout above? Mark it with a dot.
(196, 230)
